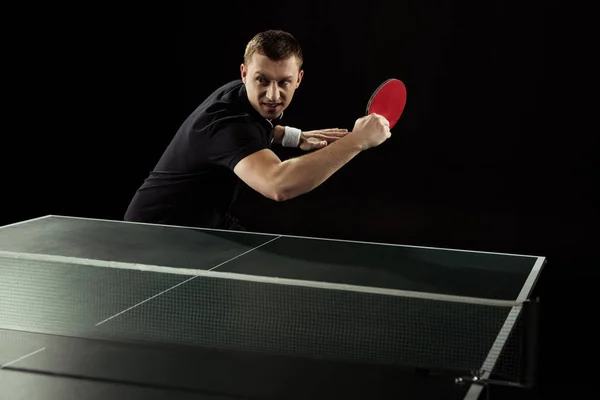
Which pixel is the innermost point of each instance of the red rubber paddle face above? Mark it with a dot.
(388, 100)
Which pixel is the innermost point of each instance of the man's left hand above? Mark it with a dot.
(313, 140)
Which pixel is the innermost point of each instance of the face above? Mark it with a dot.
(271, 84)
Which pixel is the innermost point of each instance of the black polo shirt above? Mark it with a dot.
(193, 183)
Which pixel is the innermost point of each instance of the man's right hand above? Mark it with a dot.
(371, 130)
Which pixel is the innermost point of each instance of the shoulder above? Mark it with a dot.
(230, 92)
(230, 98)
(228, 107)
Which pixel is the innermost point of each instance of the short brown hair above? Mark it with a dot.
(275, 44)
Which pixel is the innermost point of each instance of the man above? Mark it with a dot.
(226, 143)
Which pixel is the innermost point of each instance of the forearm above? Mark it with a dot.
(300, 175)
(278, 132)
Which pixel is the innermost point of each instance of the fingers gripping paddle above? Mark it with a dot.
(388, 100)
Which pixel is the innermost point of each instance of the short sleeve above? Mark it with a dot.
(229, 143)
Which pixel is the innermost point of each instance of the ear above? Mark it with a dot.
(300, 75)
(243, 72)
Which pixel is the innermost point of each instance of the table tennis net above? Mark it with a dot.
(270, 316)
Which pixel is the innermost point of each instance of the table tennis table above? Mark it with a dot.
(98, 309)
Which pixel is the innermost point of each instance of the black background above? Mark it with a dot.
(491, 154)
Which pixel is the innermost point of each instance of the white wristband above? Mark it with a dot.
(291, 137)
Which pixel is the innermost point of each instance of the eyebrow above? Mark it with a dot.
(289, 77)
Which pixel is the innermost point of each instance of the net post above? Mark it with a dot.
(530, 342)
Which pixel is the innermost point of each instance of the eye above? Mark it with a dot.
(261, 80)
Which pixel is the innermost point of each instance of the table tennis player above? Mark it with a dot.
(226, 141)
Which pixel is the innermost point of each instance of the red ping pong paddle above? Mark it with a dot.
(388, 100)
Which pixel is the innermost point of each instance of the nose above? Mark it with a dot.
(273, 92)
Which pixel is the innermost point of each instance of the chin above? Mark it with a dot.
(272, 115)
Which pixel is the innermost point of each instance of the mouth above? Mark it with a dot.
(271, 106)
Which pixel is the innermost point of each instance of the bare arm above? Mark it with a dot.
(267, 174)
(278, 131)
